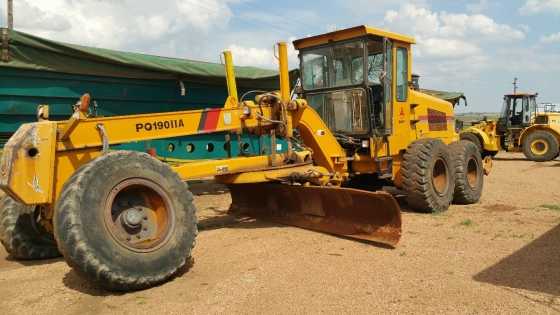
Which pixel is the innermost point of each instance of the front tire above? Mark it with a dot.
(469, 172)
(428, 175)
(125, 221)
(20, 233)
(540, 146)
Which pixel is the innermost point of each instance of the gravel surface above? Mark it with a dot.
(499, 256)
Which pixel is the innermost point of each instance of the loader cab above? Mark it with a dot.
(518, 111)
(349, 78)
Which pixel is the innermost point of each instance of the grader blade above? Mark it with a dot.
(371, 216)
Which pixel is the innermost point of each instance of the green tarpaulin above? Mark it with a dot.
(25, 51)
(452, 97)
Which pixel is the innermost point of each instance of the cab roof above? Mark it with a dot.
(521, 94)
(350, 33)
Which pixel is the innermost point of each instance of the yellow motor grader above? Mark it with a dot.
(126, 221)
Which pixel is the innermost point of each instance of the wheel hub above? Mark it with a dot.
(539, 147)
(139, 215)
(439, 177)
(472, 172)
(132, 218)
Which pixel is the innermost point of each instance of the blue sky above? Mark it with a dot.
(474, 46)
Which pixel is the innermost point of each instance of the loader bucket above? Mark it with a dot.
(371, 216)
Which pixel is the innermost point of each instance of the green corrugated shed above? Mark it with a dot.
(35, 71)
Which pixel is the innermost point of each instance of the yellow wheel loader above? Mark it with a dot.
(523, 126)
(126, 220)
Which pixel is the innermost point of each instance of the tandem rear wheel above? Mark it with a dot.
(435, 174)
(125, 221)
(21, 234)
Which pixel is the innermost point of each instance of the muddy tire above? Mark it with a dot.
(126, 221)
(469, 172)
(22, 237)
(428, 175)
(540, 146)
(469, 136)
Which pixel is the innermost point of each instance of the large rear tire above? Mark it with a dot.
(469, 172)
(469, 136)
(20, 233)
(428, 175)
(125, 221)
(540, 146)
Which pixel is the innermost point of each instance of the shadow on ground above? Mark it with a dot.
(74, 282)
(39, 262)
(231, 221)
(207, 187)
(510, 159)
(534, 267)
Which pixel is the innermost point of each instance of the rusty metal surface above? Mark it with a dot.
(371, 216)
(487, 164)
(139, 215)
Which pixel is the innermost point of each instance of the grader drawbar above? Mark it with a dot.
(125, 220)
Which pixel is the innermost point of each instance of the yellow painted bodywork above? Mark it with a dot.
(350, 33)
(491, 139)
(27, 164)
(64, 146)
(58, 159)
(487, 133)
(553, 127)
(410, 117)
(230, 76)
(121, 129)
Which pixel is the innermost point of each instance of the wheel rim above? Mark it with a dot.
(439, 177)
(139, 215)
(539, 147)
(472, 172)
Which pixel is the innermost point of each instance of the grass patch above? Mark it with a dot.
(467, 222)
(551, 207)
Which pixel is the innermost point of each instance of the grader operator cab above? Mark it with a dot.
(126, 220)
(523, 126)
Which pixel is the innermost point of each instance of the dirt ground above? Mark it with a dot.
(499, 256)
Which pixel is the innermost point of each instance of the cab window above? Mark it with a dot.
(402, 74)
(316, 69)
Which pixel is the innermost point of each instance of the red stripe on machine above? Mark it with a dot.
(426, 117)
(211, 118)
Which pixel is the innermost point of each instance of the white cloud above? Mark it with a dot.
(176, 28)
(551, 38)
(443, 47)
(449, 35)
(251, 56)
(261, 57)
(540, 6)
(458, 50)
(125, 23)
(422, 21)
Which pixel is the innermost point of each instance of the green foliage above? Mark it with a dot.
(551, 207)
